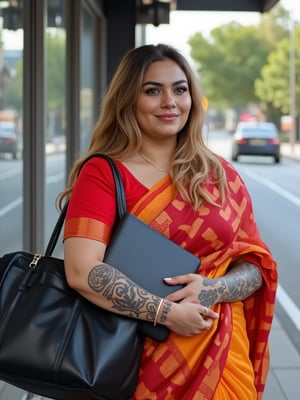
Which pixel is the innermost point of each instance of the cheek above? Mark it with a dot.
(146, 104)
(140, 115)
(144, 109)
(186, 107)
(184, 103)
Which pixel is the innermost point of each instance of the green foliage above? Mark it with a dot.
(55, 77)
(229, 62)
(273, 87)
(274, 25)
(13, 93)
(234, 66)
(55, 70)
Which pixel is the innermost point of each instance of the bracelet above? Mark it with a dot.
(157, 311)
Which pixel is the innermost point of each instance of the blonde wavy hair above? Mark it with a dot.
(118, 135)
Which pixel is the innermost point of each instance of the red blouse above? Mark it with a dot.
(92, 208)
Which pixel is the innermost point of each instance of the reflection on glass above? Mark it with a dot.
(11, 131)
(55, 110)
(87, 89)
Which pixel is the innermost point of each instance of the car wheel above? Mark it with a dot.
(277, 160)
(234, 157)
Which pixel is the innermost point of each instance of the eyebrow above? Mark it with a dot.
(160, 84)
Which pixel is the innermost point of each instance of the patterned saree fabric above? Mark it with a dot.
(231, 360)
(218, 364)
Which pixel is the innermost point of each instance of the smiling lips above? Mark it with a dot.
(167, 117)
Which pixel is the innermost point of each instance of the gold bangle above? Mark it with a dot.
(157, 311)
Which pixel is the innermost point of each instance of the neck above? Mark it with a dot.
(152, 164)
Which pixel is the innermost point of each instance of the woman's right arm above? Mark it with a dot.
(107, 287)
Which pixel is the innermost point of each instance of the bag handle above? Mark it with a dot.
(120, 197)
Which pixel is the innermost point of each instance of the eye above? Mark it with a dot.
(152, 91)
(181, 89)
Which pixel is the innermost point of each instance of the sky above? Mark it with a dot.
(184, 24)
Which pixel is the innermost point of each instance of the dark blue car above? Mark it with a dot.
(257, 139)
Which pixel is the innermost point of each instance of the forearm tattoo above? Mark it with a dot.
(126, 297)
(239, 283)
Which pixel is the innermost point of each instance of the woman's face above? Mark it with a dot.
(164, 102)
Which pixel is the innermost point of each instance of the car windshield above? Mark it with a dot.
(264, 131)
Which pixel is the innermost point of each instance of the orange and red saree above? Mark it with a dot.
(231, 360)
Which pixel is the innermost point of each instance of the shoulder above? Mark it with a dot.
(230, 171)
(234, 180)
(98, 163)
(93, 164)
(99, 168)
(98, 171)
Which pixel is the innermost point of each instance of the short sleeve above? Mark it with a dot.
(92, 207)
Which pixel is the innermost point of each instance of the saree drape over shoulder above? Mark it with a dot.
(231, 360)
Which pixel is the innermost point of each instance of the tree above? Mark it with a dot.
(55, 78)
(13, 93)
(273, 87)
(55, 70)
(274, 26)
(228, 63)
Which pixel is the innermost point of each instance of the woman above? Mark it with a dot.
(151, 125)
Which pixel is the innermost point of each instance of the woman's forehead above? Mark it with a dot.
(164, 71)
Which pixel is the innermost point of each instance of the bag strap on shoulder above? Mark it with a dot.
(120, 197)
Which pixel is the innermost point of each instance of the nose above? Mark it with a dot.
(168, 100)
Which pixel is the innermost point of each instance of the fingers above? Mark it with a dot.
(190, 319)
(205, 311)
(209, 313)
(208, 318)
(205, 325)
(181, 294)
(179, 279)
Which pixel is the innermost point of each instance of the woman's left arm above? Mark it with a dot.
(242, 279)
(240, 282)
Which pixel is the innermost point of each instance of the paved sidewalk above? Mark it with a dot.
(284, 377)
(290, 151)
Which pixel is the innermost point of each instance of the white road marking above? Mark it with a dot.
(281, 295)
(273, 186)
(17, 202)
(11, 206)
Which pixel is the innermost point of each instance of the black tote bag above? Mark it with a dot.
(54, 342)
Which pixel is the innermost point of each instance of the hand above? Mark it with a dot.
(189, 319)
(197, 289)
